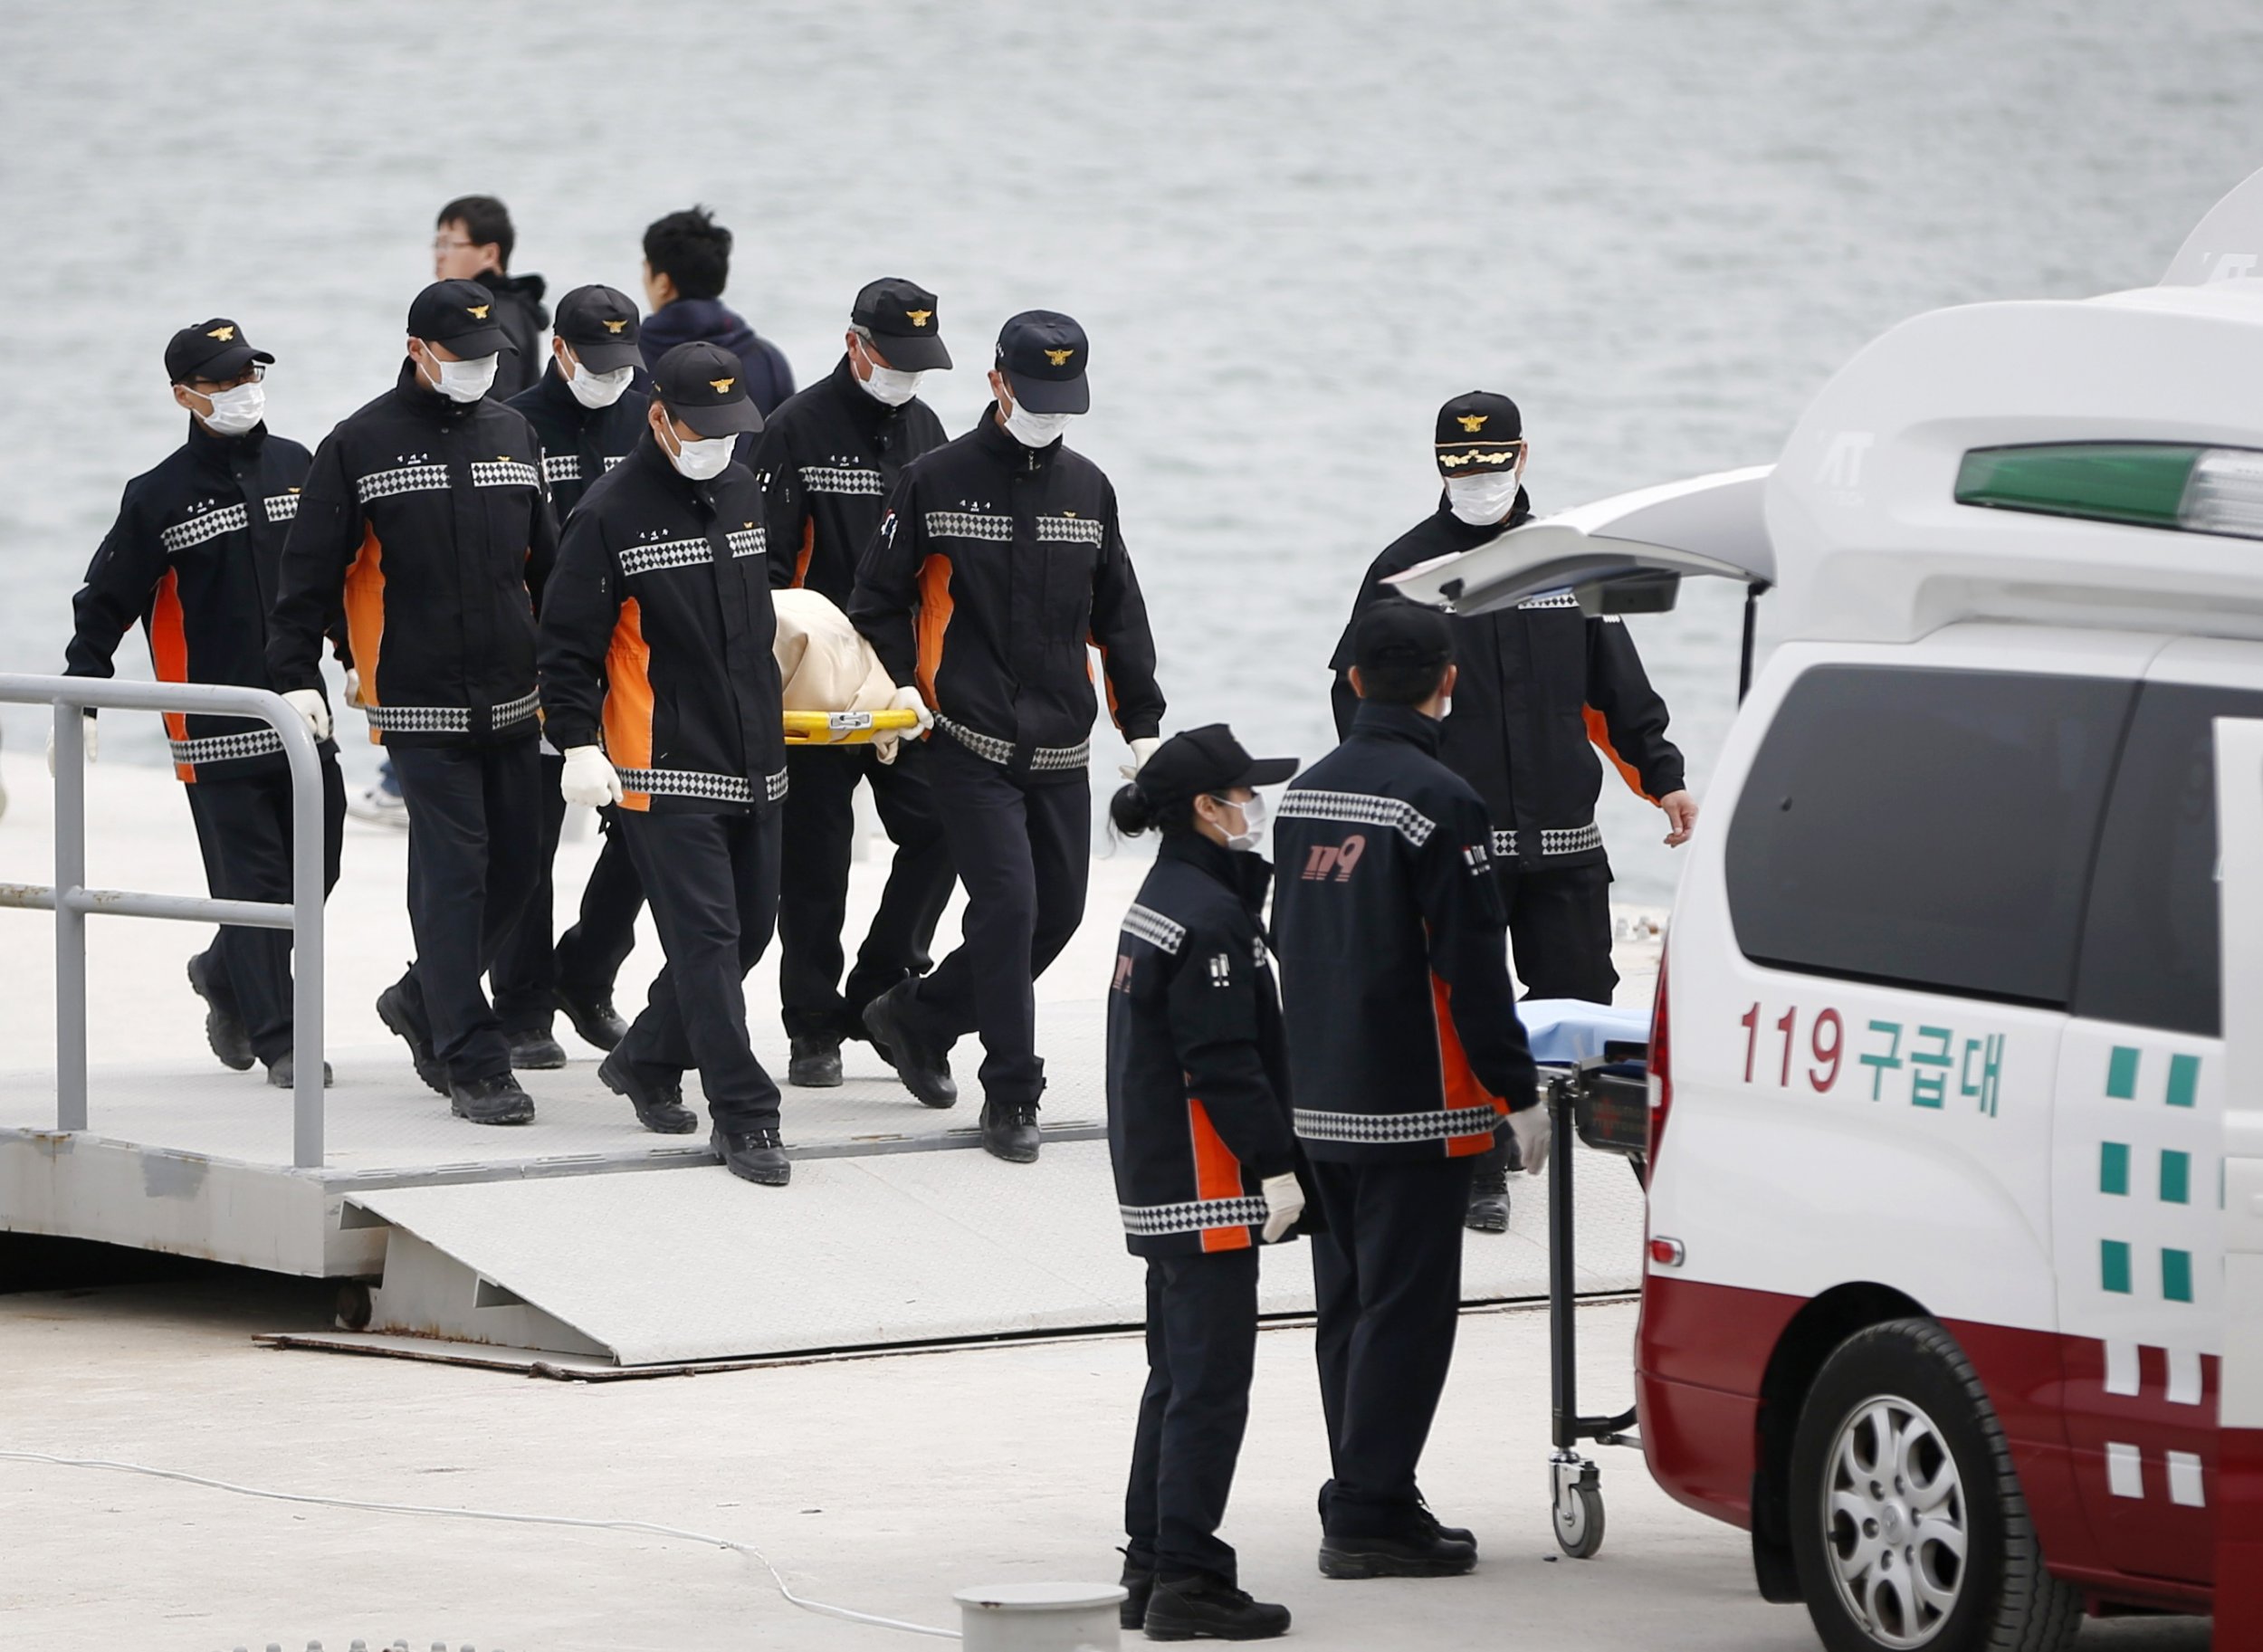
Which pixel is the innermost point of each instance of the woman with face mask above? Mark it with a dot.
(1206, 1164)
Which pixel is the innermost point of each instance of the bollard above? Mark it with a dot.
(1040, 1618)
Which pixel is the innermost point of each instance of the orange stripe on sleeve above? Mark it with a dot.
(1460, 1080)
(365, 617)
(1218, 1174)
(628, 699)
(1598, 733)
(169, 656)
(808, 545)
(934, 621)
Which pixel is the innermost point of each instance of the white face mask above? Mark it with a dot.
(464, 381)
(891, 385)
(1036, 429)
(594, 390)
(1482, 501)
(702, 458)
(236, 409)
(1253, 813)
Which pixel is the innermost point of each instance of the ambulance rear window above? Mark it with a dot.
(1926, 829)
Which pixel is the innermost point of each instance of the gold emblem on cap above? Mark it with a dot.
(918, 318)
(721, 387)
(1472, 421)
(225, 334)
(614, 327)
(1059, 358)
(478, 312)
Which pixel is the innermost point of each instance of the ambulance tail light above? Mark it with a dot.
(1661, 1062)
(2146, 484)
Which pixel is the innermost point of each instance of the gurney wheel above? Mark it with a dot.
(1580, 1518)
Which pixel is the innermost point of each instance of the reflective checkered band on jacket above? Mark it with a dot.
(1387, 1127)
(1043, 759)
(1360, 808)
(840, 479)
(1071, 530)
(225, 748)
(517, 711)
(1503, 845)
(667, 553)
(561, 467)
(695, 783)
(419, 719)
(1553, 599)
(1572, 840)
(408, 479)
(211, 525)
(1151, 926)
(282, 506)
(748, 541)
(1149, 1221)
(504, 473)
(970, 525)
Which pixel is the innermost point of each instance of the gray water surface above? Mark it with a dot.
(1290, 231)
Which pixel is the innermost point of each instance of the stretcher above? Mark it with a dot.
(844, 728)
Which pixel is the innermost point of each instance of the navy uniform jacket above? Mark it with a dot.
(1197, 1063)
(1404, 1041)
(1542, 689)
(579, 443)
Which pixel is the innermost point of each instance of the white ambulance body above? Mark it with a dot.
(1935, 1300)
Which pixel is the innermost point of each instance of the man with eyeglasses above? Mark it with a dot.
(1541, 688)
(425, 520)
(192, 556)
(472, 238)
(828, 459)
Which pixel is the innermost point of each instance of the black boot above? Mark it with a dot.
(659, 1107)
(284, 1072)
(752, 1155)
(492, 1101)
(1139, 1583)
(223, 1028)
(1009, 1130)
(1423, 1518)
(924, 1069)
(816, 1062)
(1489, 1193)
(1421, 1552)
(400, 1016)
(1204, 1608)
(533, 1050)
(595, 1019)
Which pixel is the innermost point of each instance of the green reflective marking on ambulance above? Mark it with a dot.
(2113, 1167)
(2113, 1273)
(2176, 1177)
(2121, 1073)
(2184, 1080)
(2176, 1275)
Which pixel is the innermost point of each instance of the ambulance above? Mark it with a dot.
(1953, 1295)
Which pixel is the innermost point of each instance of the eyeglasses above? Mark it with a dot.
(441, 243)
(206, 386)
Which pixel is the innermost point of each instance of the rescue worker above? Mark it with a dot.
(828, 459)
(424, 518)
(1405, 1050)
(1206, 1165)
(658, 630)
(1000, 560)
(193, 556)
(1541, 688)
(588, 416)
(472, 238)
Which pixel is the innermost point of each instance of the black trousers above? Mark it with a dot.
(1023, 848)
(813, 893)
(712, 882)
(589, 955)
(1559, 930)
(243, 830)
(1201, 1349)
(475, 841)
(1388, 1274)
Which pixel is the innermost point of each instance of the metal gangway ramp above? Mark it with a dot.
(582, 1241)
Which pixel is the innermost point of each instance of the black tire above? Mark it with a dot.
(1582, 1534)
(1996, 1597)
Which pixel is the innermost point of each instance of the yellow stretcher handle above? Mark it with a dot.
(844, 728)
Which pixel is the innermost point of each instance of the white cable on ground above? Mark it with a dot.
(646, 1526)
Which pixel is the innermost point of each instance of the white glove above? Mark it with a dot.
(1142, 749)
(1285, 1202)
(885, 743)
(589, 777)
(1533, 1132)
(87, 732)
(353, 686)
(311, 707)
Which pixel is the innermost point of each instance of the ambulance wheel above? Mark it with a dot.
(1908, 1528)
(1579, 1521)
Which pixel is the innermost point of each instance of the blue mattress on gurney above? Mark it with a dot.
(1563, 1031)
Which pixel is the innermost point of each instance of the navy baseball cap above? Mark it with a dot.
(460, 315)
(1206, 760)
(705, 385)
(600, 323)
(1042, 354)
(900, 315)
(1479, 432)
(1396, 633)
(215, 350)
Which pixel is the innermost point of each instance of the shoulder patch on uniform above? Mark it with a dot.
(1145, 923)
(1222, 970)
(1479, 861)
(1362, 809)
